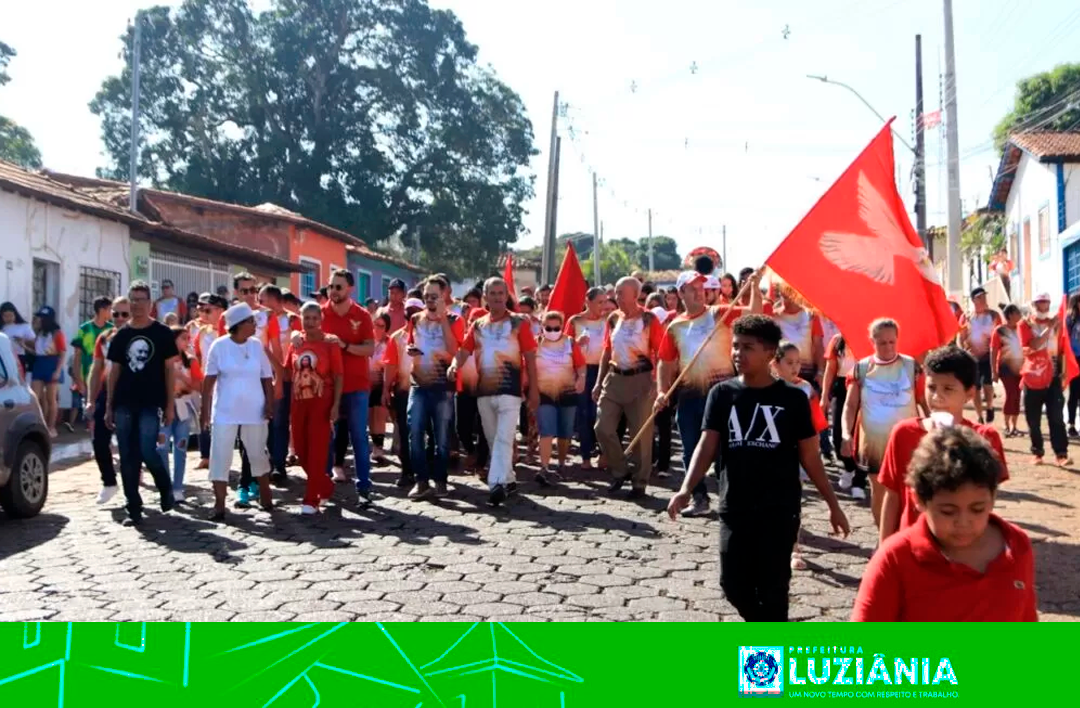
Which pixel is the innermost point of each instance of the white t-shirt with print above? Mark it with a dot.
(239, 368)
(23, 331)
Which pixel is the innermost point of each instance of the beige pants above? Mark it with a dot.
(633, 397)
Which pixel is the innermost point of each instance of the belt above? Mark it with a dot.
(628, 372)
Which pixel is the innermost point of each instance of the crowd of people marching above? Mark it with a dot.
(755, 382)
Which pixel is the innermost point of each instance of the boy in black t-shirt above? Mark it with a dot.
(762, 429)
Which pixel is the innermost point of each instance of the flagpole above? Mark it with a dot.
(674, 384)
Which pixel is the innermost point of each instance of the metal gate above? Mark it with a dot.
(188, 275)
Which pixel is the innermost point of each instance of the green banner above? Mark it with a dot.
(490, 664)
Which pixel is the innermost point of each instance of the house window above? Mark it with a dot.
(46, 284)
(385, 289)
(310, 278)
(131, 635)
(1044, 231)
(95, 283)
(363, 285)
(1014, 241)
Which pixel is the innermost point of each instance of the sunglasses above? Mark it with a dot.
(120, 315)
(338, 286)
(553, 329)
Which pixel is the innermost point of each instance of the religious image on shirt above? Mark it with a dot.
(555, 371)
(630, 341)
(687, 334)
(307, 383)
(498, 352)
(139, 353)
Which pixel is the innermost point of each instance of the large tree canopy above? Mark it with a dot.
(1046, 101)
(370, 115)
(16, 143)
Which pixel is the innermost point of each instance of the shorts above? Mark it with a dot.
(45, 368)
(556, 421)
(375, 399)
(986, 372)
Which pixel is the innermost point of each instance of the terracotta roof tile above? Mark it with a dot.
(1049, 144)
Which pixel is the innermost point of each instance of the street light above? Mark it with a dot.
(827, 80)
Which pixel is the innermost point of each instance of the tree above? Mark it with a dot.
(983, 234)
(1046, 101)
(16, 143)
(615, 262)
(665, 253)
(373, 116)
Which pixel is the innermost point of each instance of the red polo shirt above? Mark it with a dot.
(903, 440)
(354, 327)
(910, 580)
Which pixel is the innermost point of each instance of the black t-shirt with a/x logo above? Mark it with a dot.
(760, 430)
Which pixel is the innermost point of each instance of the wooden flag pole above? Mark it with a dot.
(674, 384)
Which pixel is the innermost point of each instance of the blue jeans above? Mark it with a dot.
(556, 421)
(279, 430)
(586, 415)
(136, 436)
(178, 433)
(432, 407)
(689, 416)
(354, 408)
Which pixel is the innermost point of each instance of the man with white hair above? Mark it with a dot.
(503, 344)
(625, 385)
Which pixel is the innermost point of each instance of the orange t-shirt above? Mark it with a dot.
(314, 366)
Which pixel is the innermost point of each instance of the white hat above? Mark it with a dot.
(661, 314)
(1041, 297)
(689, 276)
(414, 302)
(237, 314)
(712, 283)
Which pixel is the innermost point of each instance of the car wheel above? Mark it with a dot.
(25, 492)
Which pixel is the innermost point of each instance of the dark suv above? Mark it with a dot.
(24, 441)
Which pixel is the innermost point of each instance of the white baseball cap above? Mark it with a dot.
(712, 283)
(237, 314)
(689, 276)
(1041, 297)
(414, 302)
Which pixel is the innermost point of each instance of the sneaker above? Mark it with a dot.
(846, 479)
(178, 496)
(663, 474)
(616, 484)
(700, 507)
(279, 479)
(990, 415)
(637, 493)
(243, 498)
(1073, 433)
(511, 489)
(133, 520)
(308, 510)
(542, 480)
(106, 494)
(420, 491)
(339, 475)
(406, 481)
(497, 495)
(167, 503)
(363, 497)
(441, 490)
(858, 493)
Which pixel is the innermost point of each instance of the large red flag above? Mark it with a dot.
(508, 276)
(568, 295)
(856, 257)
(1072, 369)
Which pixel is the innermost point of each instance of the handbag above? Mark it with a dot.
(1037, 371)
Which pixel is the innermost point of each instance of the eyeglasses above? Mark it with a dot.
(553, 329)
(338, 286)
(120, 315)
(433, 298)
(248, 291)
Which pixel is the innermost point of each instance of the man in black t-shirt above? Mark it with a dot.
(140, 398)
(762, 430)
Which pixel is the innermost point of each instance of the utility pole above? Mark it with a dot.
(133, 195)
(723, 254)
(651, 266)
(548, 251)
(596, 234)
(956, 277)
(552, 269)
(920, 153)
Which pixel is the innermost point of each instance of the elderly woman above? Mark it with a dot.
(239, 385)
(314, 359)
(560, 373)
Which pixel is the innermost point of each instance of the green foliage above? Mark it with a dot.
(1046, 101)
(16, 143)
(373, 116)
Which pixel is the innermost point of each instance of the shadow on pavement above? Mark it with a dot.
(1008, 495)
(18, 535)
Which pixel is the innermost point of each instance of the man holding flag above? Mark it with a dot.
(1047, 358)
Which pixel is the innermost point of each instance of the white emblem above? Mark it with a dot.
(874, 254)
(138, 353)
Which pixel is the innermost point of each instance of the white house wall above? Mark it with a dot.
(1034, 187)
(31, 229)
(1072, 194)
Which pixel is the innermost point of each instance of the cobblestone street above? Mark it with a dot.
(570, 553)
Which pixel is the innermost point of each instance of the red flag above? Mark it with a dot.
(568, 295)
(856, 257)
(1072, 369)
(508, 276)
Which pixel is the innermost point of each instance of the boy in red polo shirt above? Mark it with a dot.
(951, 377)
(959, 562)
(344, 318)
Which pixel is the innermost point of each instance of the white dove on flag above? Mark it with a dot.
(874, 254)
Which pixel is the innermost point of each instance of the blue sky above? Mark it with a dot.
(747, 141)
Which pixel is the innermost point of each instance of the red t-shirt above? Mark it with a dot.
(314, 366)
(499, 346)
(910, 580)
(905, 437)
(354, 327)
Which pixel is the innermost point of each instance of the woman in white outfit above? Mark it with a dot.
(239, 383)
